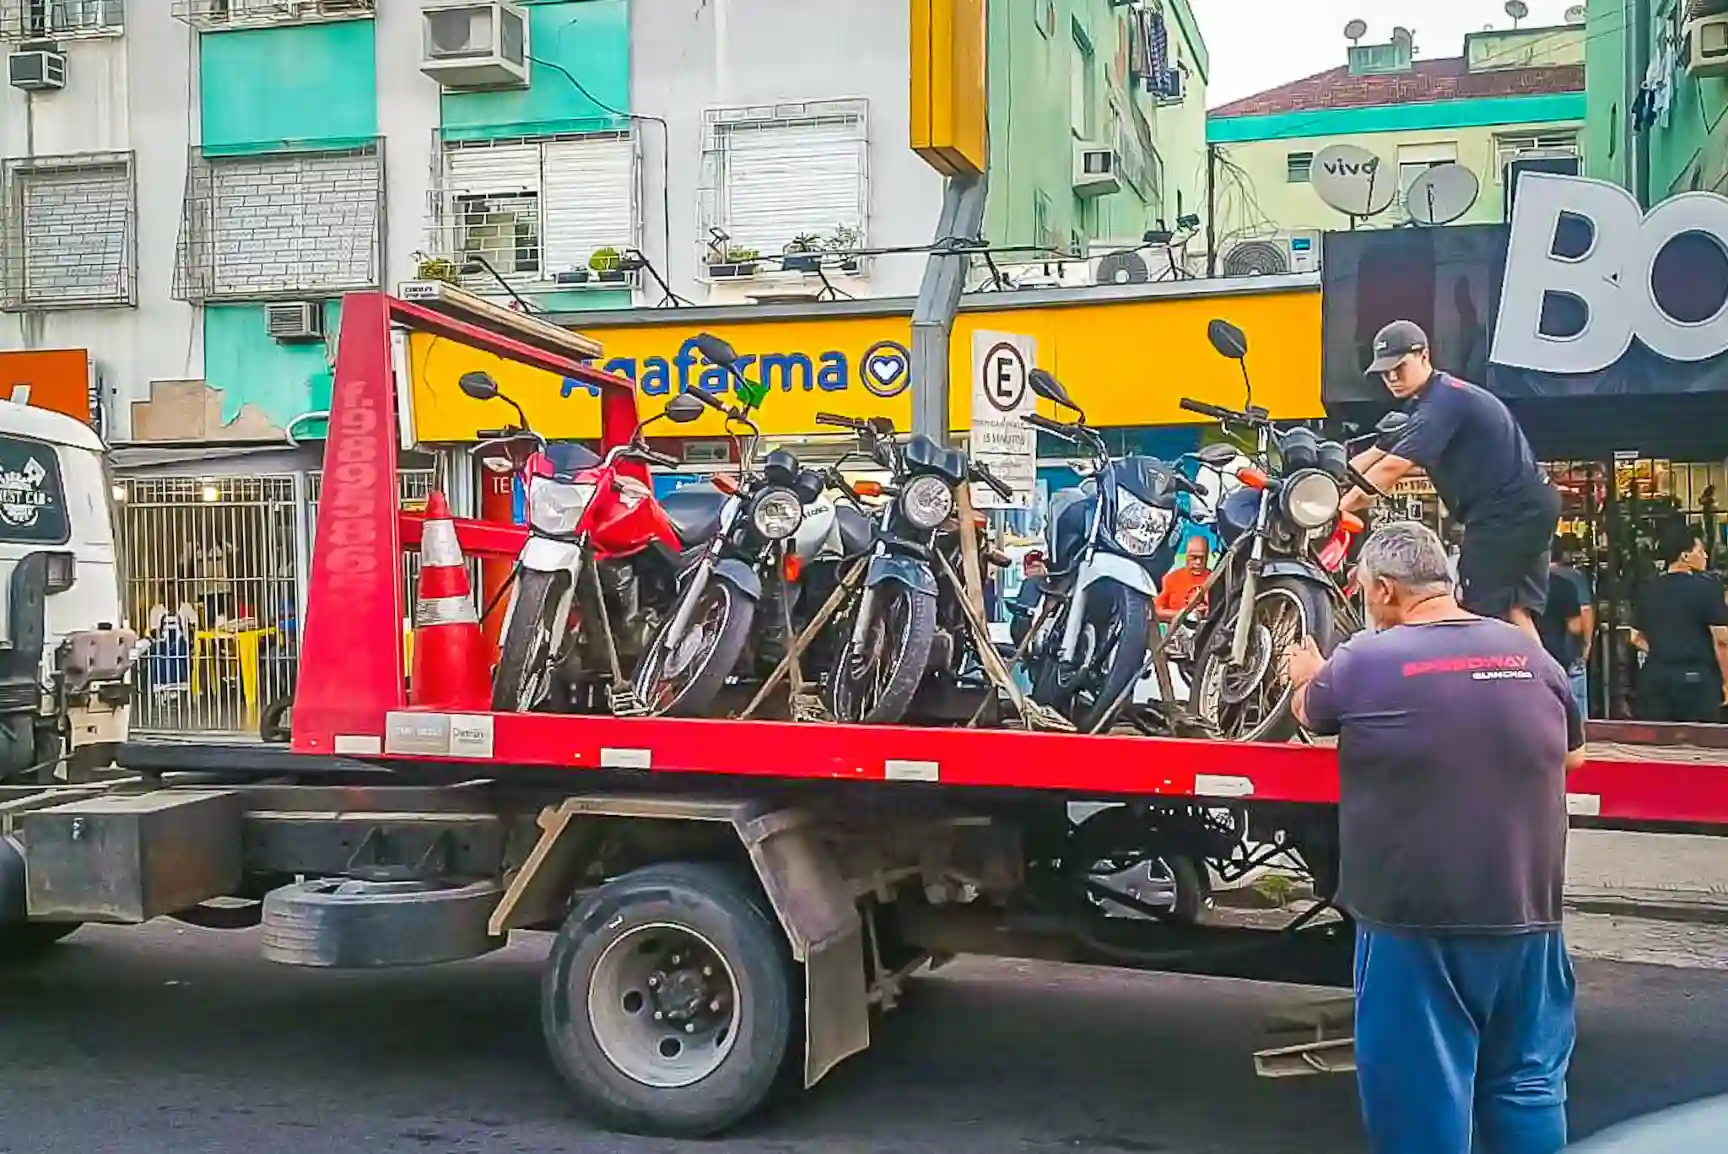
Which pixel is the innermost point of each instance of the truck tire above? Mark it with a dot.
(343, 923)
(27, 941)
(669, 1002)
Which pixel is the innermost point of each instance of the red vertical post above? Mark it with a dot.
(497, 505)
(351, 658)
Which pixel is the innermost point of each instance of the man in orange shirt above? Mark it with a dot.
(1182, 585)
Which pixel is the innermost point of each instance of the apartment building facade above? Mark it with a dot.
(188, 188)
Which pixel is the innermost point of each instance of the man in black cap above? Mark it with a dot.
(1483, 470)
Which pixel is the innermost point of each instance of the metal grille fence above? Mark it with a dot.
(213, 575)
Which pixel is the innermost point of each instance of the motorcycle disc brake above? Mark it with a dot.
(1239, 684)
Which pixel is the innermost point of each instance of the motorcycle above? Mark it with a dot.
(1281, 578)
(892, 634)
(587, 515)
(1109, 539)
(741, 573)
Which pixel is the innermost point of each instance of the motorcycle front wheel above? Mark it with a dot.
(1114, 641)
(681, 677)
(1252, 702)
(874, 683)
(524, 674)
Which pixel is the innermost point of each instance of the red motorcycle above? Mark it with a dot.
(599, 567)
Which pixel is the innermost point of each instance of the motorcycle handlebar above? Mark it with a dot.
(1205, 410)
(998, 485)
(1054, 427)
(839, 422)
(1367, 486)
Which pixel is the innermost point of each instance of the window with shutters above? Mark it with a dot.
(1507, 148)
(68, 231)
(784, 177)
(537, 210)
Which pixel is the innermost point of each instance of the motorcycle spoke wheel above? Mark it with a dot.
(1244, 701)
(674, 668)
(868, 671)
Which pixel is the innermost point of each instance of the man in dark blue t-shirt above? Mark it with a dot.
(1455, 735)
(1483, 470)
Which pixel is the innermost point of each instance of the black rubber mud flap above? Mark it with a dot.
(343, 923)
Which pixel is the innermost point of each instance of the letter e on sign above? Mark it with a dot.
(1587, 273)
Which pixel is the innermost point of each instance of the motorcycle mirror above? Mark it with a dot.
(684, 408)
(1392, 423)
(1216, 454)
(1045, 384)
(1229, 340)
(479, 386)
(716, 350)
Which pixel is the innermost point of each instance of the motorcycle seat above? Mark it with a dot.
(694, 512)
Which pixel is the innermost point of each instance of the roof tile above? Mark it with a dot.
(1427, 82)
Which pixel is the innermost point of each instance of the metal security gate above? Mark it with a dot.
(213, 574)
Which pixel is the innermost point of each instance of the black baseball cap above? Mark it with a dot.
(1395, 342)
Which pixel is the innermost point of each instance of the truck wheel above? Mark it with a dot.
(668, 1002)
(343, 923)
(27, 941)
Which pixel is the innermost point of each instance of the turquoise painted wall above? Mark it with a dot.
(1481, 113)
(589, 40)
(270, 89)
(584, 300)
(1606, 46)
(1694, 126)
(250, 368)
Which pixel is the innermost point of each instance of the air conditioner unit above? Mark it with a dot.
(470, 45)
(36, 69)
(290, 321)
(1286, 254)
(1095, 170)
(1166, 85)
(1707, 46)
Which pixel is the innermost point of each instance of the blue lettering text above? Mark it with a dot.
(786, 366)
(835, 375)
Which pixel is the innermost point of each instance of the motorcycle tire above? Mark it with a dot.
(911, 660)
(527, 643)
(1131, 609)
(706, 682)
(1318, 622)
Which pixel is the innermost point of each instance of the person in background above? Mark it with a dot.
(1455, 736)
(1182, 585)
(1680, 621)
(1482, 469)
(1568, 625)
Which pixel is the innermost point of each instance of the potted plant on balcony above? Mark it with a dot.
(733, 261)
(437, 268)
(571, 276)
(844, 242)
(803, 254)
(604, 262)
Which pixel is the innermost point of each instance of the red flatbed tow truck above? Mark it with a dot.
(731, 900)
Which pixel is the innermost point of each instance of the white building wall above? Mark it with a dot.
(408, 111)
(99, 110)
(688, 56)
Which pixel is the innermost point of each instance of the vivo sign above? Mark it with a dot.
(1587, 273)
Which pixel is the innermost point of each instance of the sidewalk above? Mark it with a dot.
(1677, 877)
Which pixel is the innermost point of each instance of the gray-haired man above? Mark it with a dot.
(1455, 735)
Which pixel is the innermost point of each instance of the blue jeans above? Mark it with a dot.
(1580, 679)
(1458, 1035)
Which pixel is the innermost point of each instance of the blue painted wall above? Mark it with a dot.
(250, 368)
(271, 89)
(589, 40)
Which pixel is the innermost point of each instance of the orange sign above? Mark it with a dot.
(57, 379)
(950, 90)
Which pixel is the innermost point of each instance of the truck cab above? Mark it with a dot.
(65, 656)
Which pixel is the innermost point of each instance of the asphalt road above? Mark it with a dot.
(171, 1040)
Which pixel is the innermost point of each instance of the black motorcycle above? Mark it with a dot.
(892, 631)
(1283, 573)
(730, 609)
(1109, 540)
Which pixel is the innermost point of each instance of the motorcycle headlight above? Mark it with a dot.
(777, 514)
(927, 501)
(556, 507)
(1311, 499)
(1140, 528)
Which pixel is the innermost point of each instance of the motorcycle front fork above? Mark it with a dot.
(1250, 587)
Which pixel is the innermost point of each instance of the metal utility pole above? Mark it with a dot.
(962, 220)
(1211, 211)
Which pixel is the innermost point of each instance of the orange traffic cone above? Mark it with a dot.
(450, 666)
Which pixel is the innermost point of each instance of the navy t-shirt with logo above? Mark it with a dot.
(1475, 454)
(1452, 743)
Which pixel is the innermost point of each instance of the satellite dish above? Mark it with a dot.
(1403, 35)
(1121, 268)
(1442, 194)
(1576, 14)
(1353, 180)
(1517, 9)
(1355, 30)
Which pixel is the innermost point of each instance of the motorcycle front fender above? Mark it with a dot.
(1113, 567)
(907, 571)
(544, 555)
(741, 577)
(1301, 570)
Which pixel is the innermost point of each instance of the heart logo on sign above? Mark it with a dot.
(886, 369)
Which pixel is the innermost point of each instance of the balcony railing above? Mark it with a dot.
(216, 15)
(22, 20)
